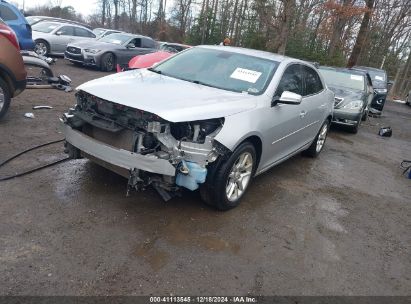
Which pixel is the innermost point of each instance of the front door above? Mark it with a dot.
(282, 134)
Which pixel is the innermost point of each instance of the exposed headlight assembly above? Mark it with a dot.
(92, 51)
(353, 105)
(380, 91)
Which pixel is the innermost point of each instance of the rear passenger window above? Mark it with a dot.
(83, 32)
(291, 81)
(313, 84)
(66, 31)
(148, 43)
(7, 14)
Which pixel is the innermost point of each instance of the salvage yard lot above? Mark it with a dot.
(339, 224)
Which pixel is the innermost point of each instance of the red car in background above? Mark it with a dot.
(145, 61)
(148, 60)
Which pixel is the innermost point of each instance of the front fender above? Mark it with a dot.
(237, 128)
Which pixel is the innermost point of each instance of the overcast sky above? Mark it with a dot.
(85, 7)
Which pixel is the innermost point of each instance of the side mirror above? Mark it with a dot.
(287, 97)
(130, 46)
(390, 83)
(58, 33)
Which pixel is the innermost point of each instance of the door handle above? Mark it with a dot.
(302, 114)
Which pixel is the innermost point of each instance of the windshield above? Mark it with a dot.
(220, 69)
(343, 79)
(45, 27)
(32, 19)
(378, 79)
(98, 32)
(115, 38)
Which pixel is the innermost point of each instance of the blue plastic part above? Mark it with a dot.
(196, 175)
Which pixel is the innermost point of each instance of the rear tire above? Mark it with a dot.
(41, 47)
(364, 115)
(318, 143)
(108, 62)
(228, 181)
(5, 98)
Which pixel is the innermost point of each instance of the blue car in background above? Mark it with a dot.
(15, 19)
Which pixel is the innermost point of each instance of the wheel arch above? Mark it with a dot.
(8, 79)
(256, 141)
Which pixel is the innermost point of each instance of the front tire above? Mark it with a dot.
(225, 187)
(4, 98)
(317, 145)
(108, 62)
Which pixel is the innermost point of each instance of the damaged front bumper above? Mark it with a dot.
(115, 156)
(142, 146)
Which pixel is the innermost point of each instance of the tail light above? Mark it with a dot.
(10, 35)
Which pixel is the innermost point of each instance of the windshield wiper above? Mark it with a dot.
(203, 83)
(154, 71)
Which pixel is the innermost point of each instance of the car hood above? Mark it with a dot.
(94, 44)
(172, 99)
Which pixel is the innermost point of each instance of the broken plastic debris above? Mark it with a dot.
(29, 115)
(42, 107)
(385, 131)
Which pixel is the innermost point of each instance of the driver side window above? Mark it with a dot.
(291, 81)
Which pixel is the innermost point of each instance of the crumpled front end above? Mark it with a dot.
(142, 146)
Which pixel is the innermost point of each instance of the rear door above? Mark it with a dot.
(314, 105)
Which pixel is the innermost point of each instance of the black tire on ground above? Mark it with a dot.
(213, 191)
(354, 129)
(364, 115)
(44, 44)
(108, 62)
(312, 150)
(5, 98)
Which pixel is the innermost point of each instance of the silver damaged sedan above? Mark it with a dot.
(210, 117)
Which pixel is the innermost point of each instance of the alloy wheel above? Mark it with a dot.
(41, 48)
(109, 63)
(239, 177)
(321, 138)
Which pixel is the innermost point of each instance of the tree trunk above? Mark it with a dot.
(116, 17)
(280, 43)
(103, 15)
(362, 35)
(340, 22)
(204, 26)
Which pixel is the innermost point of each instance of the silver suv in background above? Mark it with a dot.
(210, 117)
(51, 38)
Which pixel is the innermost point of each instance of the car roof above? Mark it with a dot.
(105, 29)
(344, 70)
(61, 20)
(252, 52)
(359, 67)
(130, 35)
(62, 23)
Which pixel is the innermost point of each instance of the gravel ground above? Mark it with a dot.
(336, 225)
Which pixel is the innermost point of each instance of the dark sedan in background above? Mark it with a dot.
(353, 95)
(380, 83)
(105, 53)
